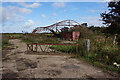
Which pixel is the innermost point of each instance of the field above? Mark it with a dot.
(102, 55)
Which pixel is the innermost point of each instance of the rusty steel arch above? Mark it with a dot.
(56, 26)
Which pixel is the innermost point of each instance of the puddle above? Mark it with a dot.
(31, 64)
(52, 72)
(10, 75)
(23, 64)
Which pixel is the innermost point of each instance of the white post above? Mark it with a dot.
(114, 41)
(88, 45)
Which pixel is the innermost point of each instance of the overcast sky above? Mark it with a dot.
(26, 16)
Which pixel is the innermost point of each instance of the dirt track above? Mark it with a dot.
(18, 64)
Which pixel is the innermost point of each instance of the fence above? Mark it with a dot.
(56, 48)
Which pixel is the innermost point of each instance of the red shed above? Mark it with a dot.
(75, 35)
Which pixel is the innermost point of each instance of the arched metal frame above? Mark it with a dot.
(56, 27)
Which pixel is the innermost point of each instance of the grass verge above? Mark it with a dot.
(5, 42)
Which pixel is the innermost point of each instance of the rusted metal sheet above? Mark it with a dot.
(75, 35)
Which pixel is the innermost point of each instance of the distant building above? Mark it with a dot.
(67, 35)
(71, 35)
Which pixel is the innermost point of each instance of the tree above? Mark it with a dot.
(95, 29)
(84, 24)
(112, 18)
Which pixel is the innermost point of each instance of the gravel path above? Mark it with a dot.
(18, 64)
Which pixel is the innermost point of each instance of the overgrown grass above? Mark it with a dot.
(64, 48)
(5, 41)
(14, 34)
(100, 64)
(103, 53)
(40, 39)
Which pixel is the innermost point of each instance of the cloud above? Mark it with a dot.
(9, 16)
(108, 0)
(54, 14)
(59, 20)
(25, 11)
(65, 10)
(20, 10)
(43, 15)
(93, 11)
(92, 20)
(111, 0)
(28, 24)
(56, 0)
(34, 5)
(58, 4)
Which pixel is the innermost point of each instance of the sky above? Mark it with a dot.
(26, 16)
